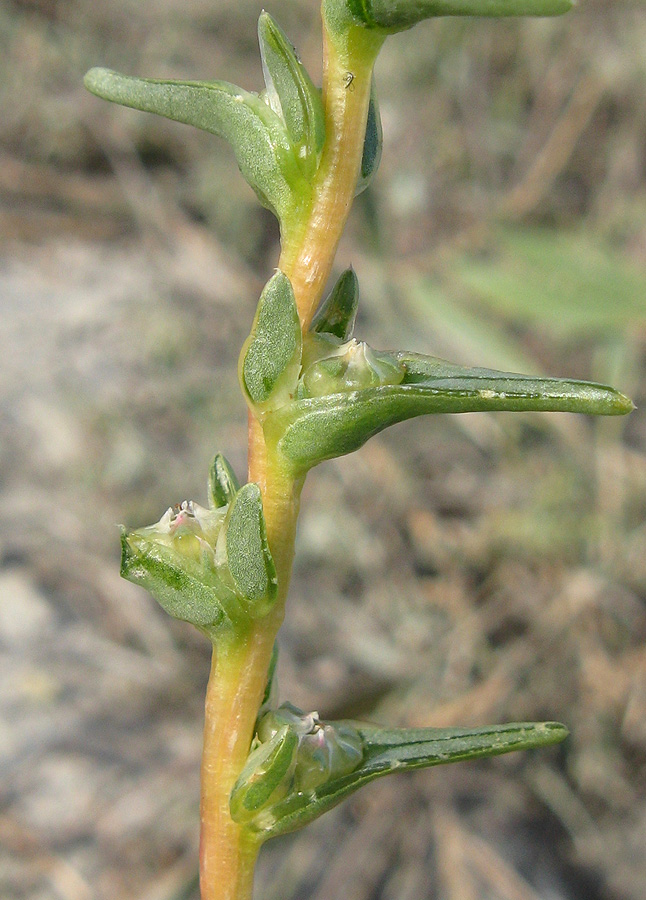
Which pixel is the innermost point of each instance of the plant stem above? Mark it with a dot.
(233, 696)
(308, 254)
(239, 672)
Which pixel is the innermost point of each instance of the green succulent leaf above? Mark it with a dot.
(248, 558)
(286, 805)
(338, 311)
(271, 357)
(265, 778)
(312, 429)
(372, 144)
(398, 15)
(291, 94)
(257, 135)
(223, 484)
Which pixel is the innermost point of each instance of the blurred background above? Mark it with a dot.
(456, 570)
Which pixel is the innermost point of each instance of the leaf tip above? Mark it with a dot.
(553, 732)
(95, 79)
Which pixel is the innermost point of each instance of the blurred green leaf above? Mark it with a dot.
(397, 15)
(372, 144)
(564, 283)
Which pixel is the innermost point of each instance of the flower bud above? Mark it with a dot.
(352, 366)
(211, 567)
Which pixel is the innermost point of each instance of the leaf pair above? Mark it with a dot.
(325, 395)
(211, 567)
(300, 767)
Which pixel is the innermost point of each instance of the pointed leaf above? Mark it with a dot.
(271, 357)
(387, 750)
(313, 429)
(257, 135)
(372, 144)
(397, 15)
(291, 93)
(338, 311)
(246, 554)
(223, 484)
(271, 688)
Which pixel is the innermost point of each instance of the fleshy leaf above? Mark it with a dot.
(372, 144)
(338, 311)
(271, 356)
(398, 15)
(265, 778)
(174, 561)
(291, 94)
(223, 484)
(316, 428)
(248, 559)
(257, 135)
(291, 800)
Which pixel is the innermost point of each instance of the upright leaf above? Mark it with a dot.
(257, 135)
(223, 484)
(291, 93)
(372, 143)
(271, 357)
(338, 311)
(243, 557)
(265, 778)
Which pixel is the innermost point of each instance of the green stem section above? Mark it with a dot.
(309, 249)
(234, 693)
(236, 685)
(239, 670)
